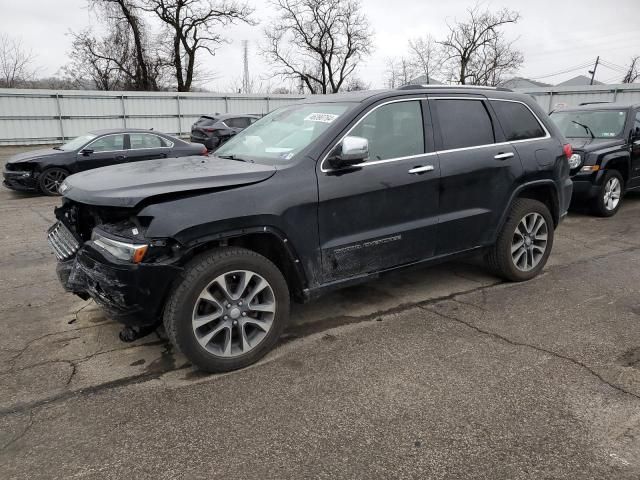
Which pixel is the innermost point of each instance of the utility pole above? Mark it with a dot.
(245, 78)
(593, 72)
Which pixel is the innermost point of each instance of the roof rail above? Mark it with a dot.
(591, 103)
(472, 87)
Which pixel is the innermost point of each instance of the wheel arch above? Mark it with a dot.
(267, 241)
(620, 161)
(545, 191)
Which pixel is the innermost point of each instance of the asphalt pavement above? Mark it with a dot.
(436, 373)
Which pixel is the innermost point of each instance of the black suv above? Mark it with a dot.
(606, 152)
(214, 130)
(316, 195)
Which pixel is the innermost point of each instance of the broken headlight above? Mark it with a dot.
(130, 252)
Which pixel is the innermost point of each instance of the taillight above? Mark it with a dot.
(568, 150)
(209, 130)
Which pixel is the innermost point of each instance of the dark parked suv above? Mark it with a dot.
(214, 130)
(320, 194)
(606, 152)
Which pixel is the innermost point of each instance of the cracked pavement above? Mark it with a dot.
(435, 373)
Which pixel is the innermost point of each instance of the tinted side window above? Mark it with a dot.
(636, 124)
(464, 123)
(107, 144)
(239, 122)
(517, 121)
(145, 140)
(394, 130)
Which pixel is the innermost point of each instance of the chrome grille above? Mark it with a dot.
(62, 241)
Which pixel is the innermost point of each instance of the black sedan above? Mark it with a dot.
(215, 129)
(44, 170)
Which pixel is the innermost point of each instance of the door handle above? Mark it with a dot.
(503, 156)
(121, 157)
(419, 169)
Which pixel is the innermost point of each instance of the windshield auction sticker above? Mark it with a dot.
(321, 117)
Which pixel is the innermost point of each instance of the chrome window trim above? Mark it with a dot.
(451, 150)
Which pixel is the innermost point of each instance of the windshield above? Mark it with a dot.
(277, 137)
(590, 123)
(76, 143)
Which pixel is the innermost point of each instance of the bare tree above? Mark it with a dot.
(400, 71)
(318, 42)
(471, 43)
(426, 57)
(16, 62)
(192, 28)
(494, 62)
(97, 63)
(127, 12)
(633, 73)
(124, 57)
(355, 84)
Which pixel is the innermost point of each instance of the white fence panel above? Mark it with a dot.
(551, 98)
(52, 116)
(48, 116)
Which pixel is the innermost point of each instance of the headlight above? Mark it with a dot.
(130, 252)
(574, 161)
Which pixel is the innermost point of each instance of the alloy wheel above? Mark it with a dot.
(52, 180)
(612, 193)
(234, 313)
(529, 242)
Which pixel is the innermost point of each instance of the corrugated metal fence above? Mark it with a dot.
(50, 116)
(551, 98)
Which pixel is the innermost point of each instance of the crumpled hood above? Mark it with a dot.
(34, 155)
(128, 184)
(592, 144)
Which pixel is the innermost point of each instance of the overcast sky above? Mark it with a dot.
(553, 35)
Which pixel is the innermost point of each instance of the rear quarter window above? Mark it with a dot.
(517, 121)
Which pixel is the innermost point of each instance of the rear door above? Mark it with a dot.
(382, 213)
(106, 150)
(147, 146)
(478, 171)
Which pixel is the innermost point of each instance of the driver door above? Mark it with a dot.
(384, 212)
(106, 150)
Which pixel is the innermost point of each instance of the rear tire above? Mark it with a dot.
(228, 309)
(524, 242)
(50, 180)
(609, 198)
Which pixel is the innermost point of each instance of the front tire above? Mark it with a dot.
(609, 198)
(228, 310)
(50, 180)
(524, 243)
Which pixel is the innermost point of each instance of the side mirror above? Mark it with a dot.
(86, 151)
(351, 151)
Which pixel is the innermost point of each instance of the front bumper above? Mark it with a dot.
(22, 181)
(132, 294)
(586, 186)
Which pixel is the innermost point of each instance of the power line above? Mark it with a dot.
(561, 72)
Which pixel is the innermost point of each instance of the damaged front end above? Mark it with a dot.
(103, 254)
